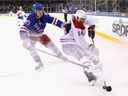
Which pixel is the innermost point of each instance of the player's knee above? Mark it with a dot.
(70, 50)
(23, 35)
(44, 39)
(26, 44)
(94, 50)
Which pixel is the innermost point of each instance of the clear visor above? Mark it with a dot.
(81, 19)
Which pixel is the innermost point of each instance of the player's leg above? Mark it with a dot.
(78, 53)
(46, 41)
(96, 68)
(73, 50)
(30, 46)
(92, 71)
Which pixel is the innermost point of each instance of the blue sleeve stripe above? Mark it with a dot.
(59, 23)
(49, 19)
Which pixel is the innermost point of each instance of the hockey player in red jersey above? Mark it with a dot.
(75, 44)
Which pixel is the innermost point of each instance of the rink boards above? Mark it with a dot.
(114, 29)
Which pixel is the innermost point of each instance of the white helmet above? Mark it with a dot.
(81, 14)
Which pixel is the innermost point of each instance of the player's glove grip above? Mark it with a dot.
(67, 27)
(91, 31)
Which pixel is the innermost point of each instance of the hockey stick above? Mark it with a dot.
(93, 41)
(70, 61)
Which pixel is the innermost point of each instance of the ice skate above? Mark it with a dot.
(107, 87)
(91, 78)
(39, 67)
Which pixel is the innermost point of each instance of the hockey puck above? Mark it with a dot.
(107, 88)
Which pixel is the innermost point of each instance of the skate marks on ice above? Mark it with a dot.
(6, 74)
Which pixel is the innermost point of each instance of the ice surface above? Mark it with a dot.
(59, 78)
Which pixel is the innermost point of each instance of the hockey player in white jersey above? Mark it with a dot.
(21, 16)
(74, 44)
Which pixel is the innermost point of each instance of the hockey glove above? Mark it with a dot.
(67, 27)
(91, 31)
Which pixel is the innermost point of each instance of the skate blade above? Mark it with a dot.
(39, 68)
(92, 83)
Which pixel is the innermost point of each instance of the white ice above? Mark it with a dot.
(58, 78)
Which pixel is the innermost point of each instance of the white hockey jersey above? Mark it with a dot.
(77, 32)
(20, 14)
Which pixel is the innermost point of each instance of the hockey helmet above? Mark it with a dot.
(81, 14)
(37, 6)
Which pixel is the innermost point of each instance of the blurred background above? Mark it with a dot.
(98, 7)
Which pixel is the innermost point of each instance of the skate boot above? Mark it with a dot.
(91, 78)
(106, 87)
(39, 67)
